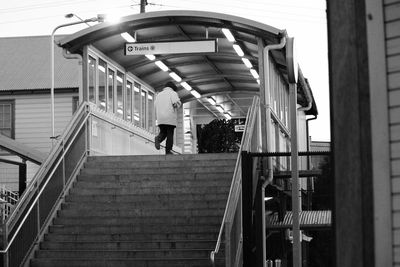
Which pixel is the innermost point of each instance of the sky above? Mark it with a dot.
(304, 20)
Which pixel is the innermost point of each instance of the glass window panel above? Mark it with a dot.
(150, 98)
(102, 84)
(92, 79)
(128, 101)
(110, 91)
(136, 104)
(143, 109)
(120, 98)
(6, 119)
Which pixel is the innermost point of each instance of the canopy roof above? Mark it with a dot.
(222, 74)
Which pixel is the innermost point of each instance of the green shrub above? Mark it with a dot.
(218, 137)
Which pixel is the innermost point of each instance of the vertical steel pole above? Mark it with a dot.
(52, 82)
(295, 176)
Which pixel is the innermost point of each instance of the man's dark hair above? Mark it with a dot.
(172, 85)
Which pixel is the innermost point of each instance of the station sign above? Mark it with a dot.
(239, 124)
(198, 46)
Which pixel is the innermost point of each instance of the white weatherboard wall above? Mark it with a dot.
(392, 38)
(33, 128)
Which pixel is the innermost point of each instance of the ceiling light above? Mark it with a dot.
(102, 69)
(212, 101)
(195, 94)
(128, 37)
(238, 50)
(175, 76)
(228, 35)
(247, 62)
(227, 116)
(161, 65)
(151, 57)
(186, 86)
(254, 73)
(220, 108)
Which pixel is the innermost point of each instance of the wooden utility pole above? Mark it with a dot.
(143, 4)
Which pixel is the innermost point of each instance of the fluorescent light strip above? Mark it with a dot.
(186, 86)
(247, 62)
(238, 50)
(102, 69)
(161, 65)
(227, 116)
(228, 35)
(220, 108)
(212, 101)
(195, 93)
(128, 37)
(254, 73)
(151, 57)
(175, 76)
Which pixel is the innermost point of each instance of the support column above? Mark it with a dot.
(295, 176)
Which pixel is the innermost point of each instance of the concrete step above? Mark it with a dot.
(160, 197)
(125, 221)
(145, 237)
(151, 190)
(169, 158)
(131, 171)
(129, 245)
(171, 262)
(151, 204)
(141, 212)
(132, 229)
(161, 164)
(119, 254)
(191, 176)
(152, 183)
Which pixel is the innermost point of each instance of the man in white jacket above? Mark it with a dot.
(167, 104)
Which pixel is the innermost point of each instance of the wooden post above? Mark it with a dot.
(353, 216)
(143, 4)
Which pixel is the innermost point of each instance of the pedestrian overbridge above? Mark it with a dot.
(226, 67)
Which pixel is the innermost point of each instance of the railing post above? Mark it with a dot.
(258, 224)
(22, 177)
(5, 243)
(247, 208)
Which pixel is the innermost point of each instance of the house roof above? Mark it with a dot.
(220, 74)
(25, 65)
(21, 150)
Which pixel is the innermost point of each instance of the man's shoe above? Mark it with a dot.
(157, 143)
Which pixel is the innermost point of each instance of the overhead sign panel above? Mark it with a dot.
(200, 46)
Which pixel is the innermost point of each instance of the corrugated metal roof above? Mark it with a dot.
(25, 65)
(308, 219)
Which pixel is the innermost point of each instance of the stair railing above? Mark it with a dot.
(8, 199)
(232, 219)
(39, 202)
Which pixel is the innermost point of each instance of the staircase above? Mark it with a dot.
(158, 210)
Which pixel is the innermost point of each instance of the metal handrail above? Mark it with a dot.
(45, 167)
(236, 180)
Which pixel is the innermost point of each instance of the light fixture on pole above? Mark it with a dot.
(99, 18)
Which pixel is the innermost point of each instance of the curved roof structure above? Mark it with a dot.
(222, 73)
